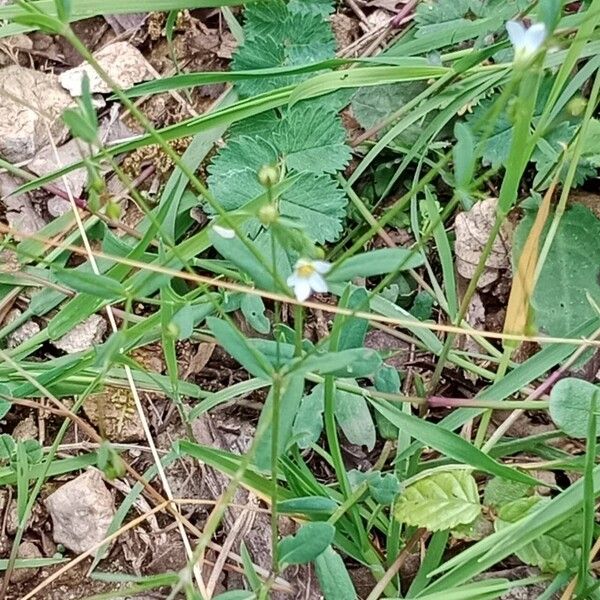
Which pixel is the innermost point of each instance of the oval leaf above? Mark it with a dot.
(570, 405)
(100, 286)
(440, 501)
(310, 541)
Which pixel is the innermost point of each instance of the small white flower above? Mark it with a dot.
(308, 277)
(526, 42)
(224, 232)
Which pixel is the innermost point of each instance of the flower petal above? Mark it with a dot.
(317, 283)
(534, 38)
(302, 262)
(322, 266)
(302, 289)
(224, 232)
(516, 33)
(292, 280)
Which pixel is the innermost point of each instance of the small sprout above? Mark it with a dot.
(224, 232)
(268, 214)
(308, 277)
(526, 42)
(268, 176)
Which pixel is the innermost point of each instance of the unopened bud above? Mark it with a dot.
(576, 106)
(113, 210)
(268, 175)
(173, 330)
(268, 214)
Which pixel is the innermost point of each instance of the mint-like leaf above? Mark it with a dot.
(278, 37)
(310, 142)
(233, 174)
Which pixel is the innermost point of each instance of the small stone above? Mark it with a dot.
(124, 64)
(81, 512)
(58, 206)
(23, 332)
(25, 430)
(26, 550)
(83, 336)
(20, 211)
(29, 97)
(113, 412)
(12, 518)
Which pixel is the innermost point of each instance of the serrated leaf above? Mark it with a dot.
(279, 37)
(311, 7)
(499, 491)
(570, 272)
(439, 501)
(311, 540)
(354, 418)
(233, 174)
(441, 16)
(555, 550)
(333, 576)
(371, 105)
(315, 201)
(571, 404)
(310, 141)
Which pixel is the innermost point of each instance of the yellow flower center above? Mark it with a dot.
(305, 271)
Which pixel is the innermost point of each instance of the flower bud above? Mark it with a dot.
(268, 175)
(268, 214)
(576, 106)
(113, 210)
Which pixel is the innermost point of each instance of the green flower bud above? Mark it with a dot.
(268, 214)
(576, 106)
(268, 175)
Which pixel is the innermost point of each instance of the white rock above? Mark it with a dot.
(124, 64)
(83, 336)
(28, 98)
(81, 512)
(23, 332)
(20, 212)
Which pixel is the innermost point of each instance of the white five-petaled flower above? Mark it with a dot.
(224, 232)
(308, 277)
(526, 42)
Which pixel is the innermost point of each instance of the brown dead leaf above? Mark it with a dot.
(472, 232)
(518, 310)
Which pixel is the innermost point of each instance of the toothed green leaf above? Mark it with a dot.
(439, 501)
(277, 36)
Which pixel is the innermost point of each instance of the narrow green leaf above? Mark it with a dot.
(100, 286)
(291, 391)
(448, 443)
(236, 344)
(376, 262)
